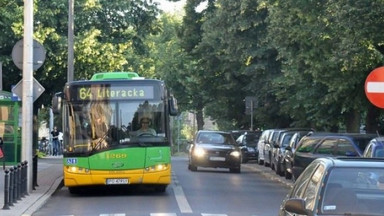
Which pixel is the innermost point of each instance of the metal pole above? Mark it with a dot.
(6, 190)
(1, 76)
(11, 186)
(178, 134)
(27, 99)
(70, 40)
(252, 115)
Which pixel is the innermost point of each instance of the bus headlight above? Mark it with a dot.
(157, 167)
(77, 170)
(199, 152)
(235, 154)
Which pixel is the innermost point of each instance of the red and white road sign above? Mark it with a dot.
(374, 87)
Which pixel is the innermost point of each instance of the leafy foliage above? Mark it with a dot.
(305, 61)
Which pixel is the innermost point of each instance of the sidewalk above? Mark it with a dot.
(49, 177)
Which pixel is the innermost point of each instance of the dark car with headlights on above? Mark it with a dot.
(338, 186)
(248, 145)
(216, 149)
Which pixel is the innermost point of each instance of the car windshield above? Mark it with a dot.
(286, 140)
(349, 187)
(308, 144)
(216, 138)
(251, 139)
(379, 152)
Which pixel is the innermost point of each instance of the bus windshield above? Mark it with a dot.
(100, 125)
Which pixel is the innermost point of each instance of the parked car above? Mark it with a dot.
(279, 149)
(268, 146)
(260, 145)
(375, 148)
(348, 145)
(290, 149)
(237, 133)
(338, 186)
(248, 145)
(214, 149)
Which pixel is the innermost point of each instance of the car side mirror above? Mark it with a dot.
(56, 102)
(296, 206)
(173, 109)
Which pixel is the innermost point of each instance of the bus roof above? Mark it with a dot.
(114, 75)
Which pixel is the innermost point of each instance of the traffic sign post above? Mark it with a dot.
(374, 87)
(38, 89)
(38, 54)
(250, 104)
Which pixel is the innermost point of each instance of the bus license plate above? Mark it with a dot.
(117, 181)
(217, 158)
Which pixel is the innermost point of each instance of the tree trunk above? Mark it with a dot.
(372, 119)
(200, 119)
(352, 121)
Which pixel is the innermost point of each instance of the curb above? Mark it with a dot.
(39, 202)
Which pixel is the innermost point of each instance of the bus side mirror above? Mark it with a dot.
(56, 102)
(172, 104)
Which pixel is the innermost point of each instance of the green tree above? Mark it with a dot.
(325, 45)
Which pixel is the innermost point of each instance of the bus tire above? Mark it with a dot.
(74, 190)
(160, 188)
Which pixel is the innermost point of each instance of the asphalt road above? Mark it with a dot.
(256, 191)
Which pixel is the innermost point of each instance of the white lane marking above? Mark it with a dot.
(375, 87)
(207, 214)
(163, 214)
(114, 214)
(182, 201)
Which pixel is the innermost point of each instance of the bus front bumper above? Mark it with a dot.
(121, 177)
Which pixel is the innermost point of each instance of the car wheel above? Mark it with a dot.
(244, 160)
(260, 162)
(235, 170)
(288, 175)
(192, 167)
(266, 164)
(279, 170)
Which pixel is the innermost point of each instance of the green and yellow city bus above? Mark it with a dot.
(102, 118)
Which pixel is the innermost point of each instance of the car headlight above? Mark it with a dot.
(235, 154)
(199, 152)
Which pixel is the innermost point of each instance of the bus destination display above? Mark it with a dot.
(114, 92)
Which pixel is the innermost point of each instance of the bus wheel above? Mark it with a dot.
(160, 188)
(74, 190)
